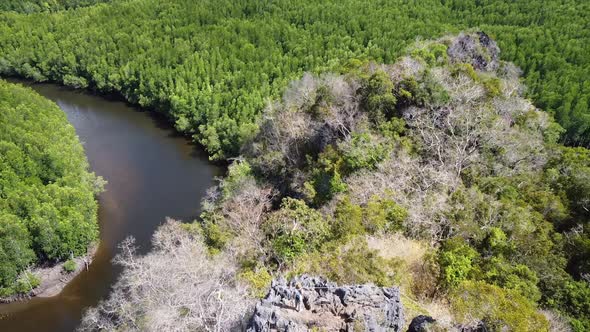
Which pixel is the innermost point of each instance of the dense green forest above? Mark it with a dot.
(32, 6)
(433, 173)
(211, 66)
(47, 204)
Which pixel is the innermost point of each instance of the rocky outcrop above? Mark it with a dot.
(421, 323)
(327, 307)
(477, 49)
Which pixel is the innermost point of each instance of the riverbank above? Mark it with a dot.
(54, 277)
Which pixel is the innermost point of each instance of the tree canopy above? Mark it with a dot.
(48, 209)
(32, 6)
(211, 66)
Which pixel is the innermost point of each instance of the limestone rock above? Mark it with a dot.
(328, 307)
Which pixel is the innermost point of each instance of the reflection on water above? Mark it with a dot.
(151, 172)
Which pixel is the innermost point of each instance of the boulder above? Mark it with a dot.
(421, 323)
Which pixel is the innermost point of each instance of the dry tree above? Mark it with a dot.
(178, 286)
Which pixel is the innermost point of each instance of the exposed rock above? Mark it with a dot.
(421, 323)
(327, 307)
(476, 327)
(478, 49)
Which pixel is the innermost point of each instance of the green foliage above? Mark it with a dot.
(569, 172)
(456, 260)
(70, 265)
(350, 263)
(47, 205)
(216, 237)
(492, 86)
(75, 82)
(26, 282)
(382, 214)
(32, 6)
(422, 92)
(496, 242)
(237, 173)
(259, 280)
(326, 178)
(433, 53)
(348, 219)
(573, 297)
(363, 151)
(500, 309)
(517, 277)
(380, 101)
(393, 129)
(295, 229)
(15, 248)
(464, 69)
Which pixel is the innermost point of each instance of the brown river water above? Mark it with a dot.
(152, 173)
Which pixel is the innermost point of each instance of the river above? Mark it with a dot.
(152, 173)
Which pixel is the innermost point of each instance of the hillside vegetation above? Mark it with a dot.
(211, 66)
(433, 173)
(47, 205)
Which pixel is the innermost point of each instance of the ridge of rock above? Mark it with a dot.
(327, 306)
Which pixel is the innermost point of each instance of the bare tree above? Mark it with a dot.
(176, 287)
(456, 136)
(291, 126)
(243, 215)
(421, 188)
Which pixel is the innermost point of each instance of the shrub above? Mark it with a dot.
(70, 266)
(258, 279)
(426, 278)
(351, 263)
(348, 219)
(237, 173)
(215, 236)
(294, 229)
(326, 179)
(383, 214)
(492, 86)
(425, 92)
(431, 54)
(499, 309)
(573, 297)
(6, 291)
(379, 100)
(15, 248)
(363, 151)
(517, 277)
(26, 283)
(393, 128)
(496, 242)
(456, 259)
(75, 81)
(466, 69)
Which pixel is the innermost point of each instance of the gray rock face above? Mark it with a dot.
(327, 307)
(420, 323)
(477, 327)
(477, 49)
